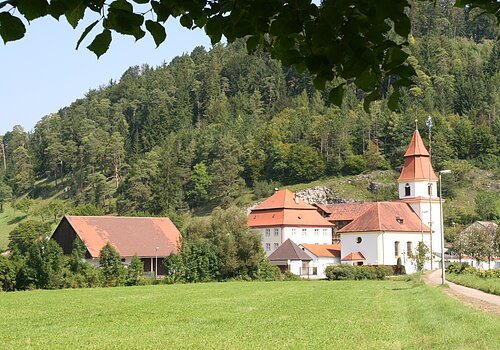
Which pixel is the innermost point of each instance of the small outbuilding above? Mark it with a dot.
(151, 239)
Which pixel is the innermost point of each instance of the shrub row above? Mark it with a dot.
(348, 272)
(465, 269)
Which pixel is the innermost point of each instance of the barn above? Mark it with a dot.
(151, 239)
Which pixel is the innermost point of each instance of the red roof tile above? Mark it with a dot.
(286, 217)
(324, 250)
(346, 211)
(128, 235)
(284, 199)
(353, 257)
(416, 147)
(417, 165)
(284, 209)
(387, 216)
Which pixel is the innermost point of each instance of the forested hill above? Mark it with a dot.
(209, 126)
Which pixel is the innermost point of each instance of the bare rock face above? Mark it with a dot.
(320, 195)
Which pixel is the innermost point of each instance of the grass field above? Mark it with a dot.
(9, 219)
(488, 285)
(246, 315)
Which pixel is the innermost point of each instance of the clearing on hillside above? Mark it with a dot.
(246, 315)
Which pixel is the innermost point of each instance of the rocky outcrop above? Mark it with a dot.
(320, 195)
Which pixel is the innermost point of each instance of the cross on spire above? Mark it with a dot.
(416, 124)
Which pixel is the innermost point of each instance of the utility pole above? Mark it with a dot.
(429, 125)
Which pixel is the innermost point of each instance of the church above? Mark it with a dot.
(375, 233)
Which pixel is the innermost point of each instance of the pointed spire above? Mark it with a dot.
(416, 147)
(417, 165)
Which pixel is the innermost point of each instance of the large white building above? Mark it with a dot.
(284, 216)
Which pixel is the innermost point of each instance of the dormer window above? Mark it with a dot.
(400, 221)
(407, 190)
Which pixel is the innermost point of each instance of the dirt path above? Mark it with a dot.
(469, 296)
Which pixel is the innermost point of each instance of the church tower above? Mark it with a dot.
(417, 185)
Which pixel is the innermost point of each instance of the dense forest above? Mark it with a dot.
(203, 127)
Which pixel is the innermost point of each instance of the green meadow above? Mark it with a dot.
(246, 315)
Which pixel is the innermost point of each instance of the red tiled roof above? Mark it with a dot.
(353, 257)
(287, 217)
(416, 147)
(128, 235)
(346, 211)
(417, 165)
(288, 251)
(387, 216)
(284, 209)
(324, 250)
(284, 199)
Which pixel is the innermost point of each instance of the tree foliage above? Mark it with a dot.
(337, 41)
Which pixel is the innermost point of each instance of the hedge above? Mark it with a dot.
(348, 272)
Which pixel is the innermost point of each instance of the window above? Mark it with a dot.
(429, 189)
(268, 247)
(359, 240)
(396, 248)
(304, 231)
(276, 245)
(276, 232)
(294, 231)
(268, 232)
(316, 231)
(409, 247)
(407, 190)
(325, 232)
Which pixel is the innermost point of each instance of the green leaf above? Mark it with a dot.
(85, 33)
(95, 5)
(402, 25)
(393, 102)
(162, 12)
(75, 13)
(375, 95)
(101, 42)
(124, 22)
(395, 57)
(11, 28)
(336, 95)
(32, 9)
(157, 31)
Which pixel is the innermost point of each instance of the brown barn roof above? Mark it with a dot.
(288, 251)
(417, 165)
(353, 257)
(387, 216)
(129, 235)
(324, 250)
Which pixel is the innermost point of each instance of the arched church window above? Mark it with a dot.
(429, 189)
(407, 190)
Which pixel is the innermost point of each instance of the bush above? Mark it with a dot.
(348, 272)
(340, 272)
(268, 271)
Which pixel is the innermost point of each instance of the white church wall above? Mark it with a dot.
(368, 246)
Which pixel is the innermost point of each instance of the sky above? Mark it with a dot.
(43, 72)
